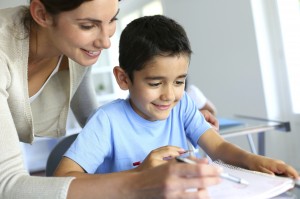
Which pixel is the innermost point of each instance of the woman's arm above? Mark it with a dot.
(167, 180)
(14, 178)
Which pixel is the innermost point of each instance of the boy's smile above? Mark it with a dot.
(158, 87)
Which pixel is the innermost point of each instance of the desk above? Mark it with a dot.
(292, 194)
(244, 125)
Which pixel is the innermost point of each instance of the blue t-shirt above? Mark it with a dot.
(116, 136)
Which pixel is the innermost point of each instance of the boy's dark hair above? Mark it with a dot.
(150, 36)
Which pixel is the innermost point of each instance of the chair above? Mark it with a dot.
(56, 154)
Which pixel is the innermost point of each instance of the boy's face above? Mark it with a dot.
(158, 87)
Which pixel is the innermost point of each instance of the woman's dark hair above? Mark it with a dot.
(55, 7)
(147, 37)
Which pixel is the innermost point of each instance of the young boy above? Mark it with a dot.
(154, 61)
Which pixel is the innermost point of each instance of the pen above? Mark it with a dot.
(136, 163)
(169, 157)
(222, 175)
(192, 152)
(232, 178)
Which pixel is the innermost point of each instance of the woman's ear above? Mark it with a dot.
(121, 78)
(39, 13)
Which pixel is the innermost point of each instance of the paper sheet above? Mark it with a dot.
(261, 186)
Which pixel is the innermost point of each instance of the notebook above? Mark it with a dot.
(261, 185)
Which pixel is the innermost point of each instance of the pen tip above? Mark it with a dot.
(244, 182)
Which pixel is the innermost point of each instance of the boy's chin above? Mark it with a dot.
(161, 118)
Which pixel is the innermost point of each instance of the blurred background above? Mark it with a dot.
(245, 60)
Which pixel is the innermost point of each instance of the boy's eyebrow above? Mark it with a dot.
(182, 76)
(96, 20)
(162, 77)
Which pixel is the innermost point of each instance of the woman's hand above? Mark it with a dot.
(210, 118)
(175, 180)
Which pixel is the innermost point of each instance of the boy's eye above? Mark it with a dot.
(154, 84)
(180, 82)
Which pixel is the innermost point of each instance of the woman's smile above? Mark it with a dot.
(93, 54)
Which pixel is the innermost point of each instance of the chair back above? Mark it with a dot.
(56, 154)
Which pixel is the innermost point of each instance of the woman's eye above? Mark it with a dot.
(86, 27)
(114, 19)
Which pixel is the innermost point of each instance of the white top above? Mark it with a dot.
(196, 94)
(32, 98)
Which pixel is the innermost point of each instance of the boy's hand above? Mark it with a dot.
(160, 156)
(273, 167)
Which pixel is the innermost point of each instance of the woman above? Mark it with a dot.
(44, 57)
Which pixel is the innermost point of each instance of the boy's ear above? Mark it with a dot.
(121, 78)
(39, 13)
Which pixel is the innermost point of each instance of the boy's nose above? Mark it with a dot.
(168, 93)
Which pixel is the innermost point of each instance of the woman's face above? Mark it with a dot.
(82, 34)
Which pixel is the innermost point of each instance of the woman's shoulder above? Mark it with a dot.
(11, 19)
(14, 37)
(7, 13)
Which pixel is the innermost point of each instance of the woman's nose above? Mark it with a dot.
(104, 35)
(103, 41)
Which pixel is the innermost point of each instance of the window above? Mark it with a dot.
(289, 18)
(277, 25)
(152, 8)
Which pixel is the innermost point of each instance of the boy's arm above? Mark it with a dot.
(219, 149)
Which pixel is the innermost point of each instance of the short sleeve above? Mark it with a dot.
(92, 144)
